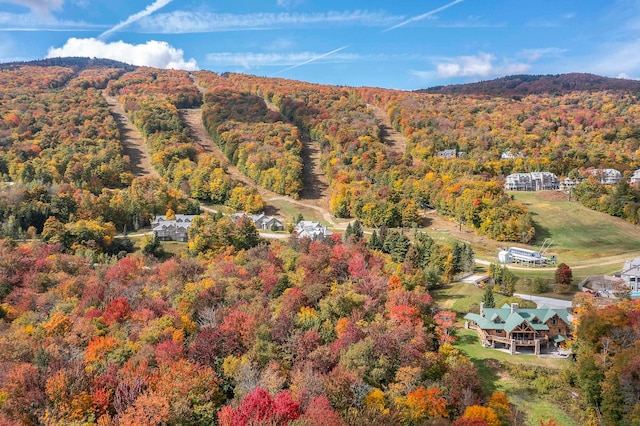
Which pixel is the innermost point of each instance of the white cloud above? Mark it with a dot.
(33, 22)
(41, 7)
(158, 54)
(481, 65)
(251, 60)
(156, 5)
(179, 22)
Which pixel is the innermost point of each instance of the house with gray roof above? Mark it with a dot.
(262, 221)
(450, 153)
(635, 178)
(312, 230)
(172, 229)
(508, 155)
(568, 183)
(607, 176)
(511, 327)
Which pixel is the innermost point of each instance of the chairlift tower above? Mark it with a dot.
(545, 246)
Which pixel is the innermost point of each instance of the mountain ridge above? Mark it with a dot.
(526, 84)
(75, 61)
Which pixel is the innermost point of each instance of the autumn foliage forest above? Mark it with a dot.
(240, 330)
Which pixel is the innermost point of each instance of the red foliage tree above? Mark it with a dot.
(116, 311)
(445, 321)
(320, 413)
(258, 407)
(564, 276)
(169, 350)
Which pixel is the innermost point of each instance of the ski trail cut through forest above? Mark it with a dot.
(397, 142)
(315, 189)
(193, 119)
(132, 140)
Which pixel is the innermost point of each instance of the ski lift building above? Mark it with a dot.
(521, 255)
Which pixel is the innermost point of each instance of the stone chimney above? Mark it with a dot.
(482, 309)
(514, 308)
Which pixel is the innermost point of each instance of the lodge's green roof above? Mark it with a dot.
(503, 319)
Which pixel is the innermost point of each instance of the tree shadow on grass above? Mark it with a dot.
(487, 370)
(487, 367)
(467, 339)
(542, 233)
(449, 296)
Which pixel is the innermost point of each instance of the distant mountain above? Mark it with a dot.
(77, 62)
(520, 85)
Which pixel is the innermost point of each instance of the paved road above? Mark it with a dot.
(547, 301)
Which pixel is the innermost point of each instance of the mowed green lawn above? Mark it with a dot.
(578, 233)
(460, 297)
(495, 378)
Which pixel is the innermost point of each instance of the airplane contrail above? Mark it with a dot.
(315, 58)
(423, 16)
(157, 5)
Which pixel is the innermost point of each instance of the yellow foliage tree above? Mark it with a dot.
(483, 413)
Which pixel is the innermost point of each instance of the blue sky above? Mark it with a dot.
(394, 44)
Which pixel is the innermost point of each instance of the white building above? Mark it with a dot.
(313, 230)
(521, 255)
(262, 221)
(568, 183)
(174, 229)
(535, 181)
(635, 178)
(631, 274)
(447, 153)
(607, 176)
(508, 155)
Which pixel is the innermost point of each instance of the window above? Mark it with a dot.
(554, 320)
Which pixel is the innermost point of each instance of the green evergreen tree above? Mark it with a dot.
(374, 242)
(397, 245)
(358, 233)
(348, 232)
(488, 298)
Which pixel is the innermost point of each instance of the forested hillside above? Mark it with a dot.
(236, 329)
(607, 370)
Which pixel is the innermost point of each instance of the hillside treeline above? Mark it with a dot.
(607, 348)
(303, 333)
